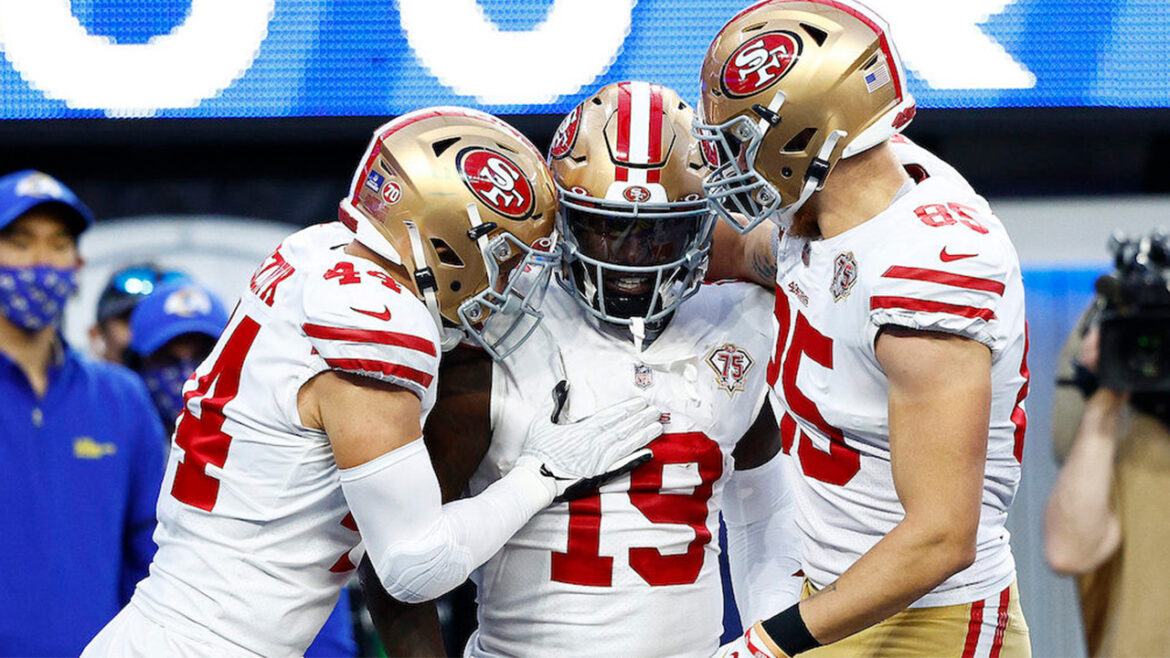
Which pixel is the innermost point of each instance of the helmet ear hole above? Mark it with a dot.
(816, 33)
(800, 141)
(786, 172)
(447, 255)
(442, 145)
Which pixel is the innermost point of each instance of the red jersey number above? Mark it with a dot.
(937, 214)
(582, 563)
(841, 462)
(202, 439)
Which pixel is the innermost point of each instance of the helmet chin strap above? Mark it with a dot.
(481, 241)
(424, 280)
(818, 171)
(638, 330)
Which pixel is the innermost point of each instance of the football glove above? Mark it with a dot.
(576, 457)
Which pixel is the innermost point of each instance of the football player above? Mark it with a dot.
(301, 429)
(899, 369)
(613, 573)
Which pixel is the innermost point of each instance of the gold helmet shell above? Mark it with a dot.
(635, 225)
(629, 143)
(458, 198)
(789, 87)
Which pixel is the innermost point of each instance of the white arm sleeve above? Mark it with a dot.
(419, 547)
(763, 543)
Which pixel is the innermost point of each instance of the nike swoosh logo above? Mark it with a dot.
(549, 474)
(947, 258)
(384, 314)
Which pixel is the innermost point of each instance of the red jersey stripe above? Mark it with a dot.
(911, 304)
(1001, 622)
(944, 278)
(1019, 416)
(382, 368)
(392, 338)
(973, 628)
(343, 564)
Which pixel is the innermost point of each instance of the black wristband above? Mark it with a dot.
(788, 631)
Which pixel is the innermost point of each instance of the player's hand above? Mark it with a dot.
(576, 457)
(747, 646)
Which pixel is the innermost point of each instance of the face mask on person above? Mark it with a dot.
(34, 297)
(165, 383)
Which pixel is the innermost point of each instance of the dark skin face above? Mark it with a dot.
(642, 242)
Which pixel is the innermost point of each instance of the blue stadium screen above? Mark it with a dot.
(295, 58)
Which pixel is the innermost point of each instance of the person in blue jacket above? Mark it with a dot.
(81, 447)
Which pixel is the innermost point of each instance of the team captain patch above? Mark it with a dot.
(731, 365)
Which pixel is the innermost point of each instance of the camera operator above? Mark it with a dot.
(1106, 519)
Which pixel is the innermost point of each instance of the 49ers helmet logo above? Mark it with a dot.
(636, 194)
(497, 181)
(760, 63)
(566, 135)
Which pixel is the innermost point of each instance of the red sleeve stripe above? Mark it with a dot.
(911, 304)
(945, 278)
(382, 368)
(391, 338)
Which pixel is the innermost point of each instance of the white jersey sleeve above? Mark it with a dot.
(361, 321)
(952, 280)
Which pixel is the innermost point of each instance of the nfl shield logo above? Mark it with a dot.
(374, 181)
(643, 376)
(844, 275)
(731, 365)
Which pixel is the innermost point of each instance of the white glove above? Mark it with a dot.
(574, 458)
(748, 645)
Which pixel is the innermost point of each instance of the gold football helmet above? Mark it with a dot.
(635, 227)
(462, 201)
(789, 87)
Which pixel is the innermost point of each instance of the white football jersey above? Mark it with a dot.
(633, 570)
(937, 259)
(255, 538)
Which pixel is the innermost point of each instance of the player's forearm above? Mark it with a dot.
(749, 257)
(404, 629)
(1080, 527)
(763, 543)
(420, 548)
(910, 561)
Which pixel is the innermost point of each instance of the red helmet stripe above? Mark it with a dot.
(655, 146)
(375, 151)
(622, 152)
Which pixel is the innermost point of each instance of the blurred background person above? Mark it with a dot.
(1106, 520)
(170, 331)
(109, 336)
(81, 449)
